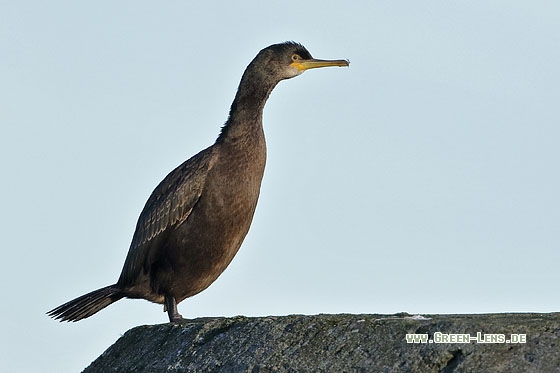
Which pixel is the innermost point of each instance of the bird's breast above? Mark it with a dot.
(204, 245)
(234, 181)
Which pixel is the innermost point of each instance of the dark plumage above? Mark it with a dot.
(196, 219)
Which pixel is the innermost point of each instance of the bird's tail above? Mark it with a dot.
(87, 305)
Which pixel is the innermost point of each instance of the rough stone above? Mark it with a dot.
(337, 343)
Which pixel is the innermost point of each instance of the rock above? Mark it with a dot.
(339, 343)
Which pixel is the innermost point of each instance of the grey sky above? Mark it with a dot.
(423, 178)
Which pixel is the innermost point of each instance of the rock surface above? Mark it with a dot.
(338, 343)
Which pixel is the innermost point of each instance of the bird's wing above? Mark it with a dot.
(169, 205)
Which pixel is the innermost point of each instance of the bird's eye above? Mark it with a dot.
(296, 57)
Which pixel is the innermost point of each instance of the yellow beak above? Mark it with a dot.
(303, 65)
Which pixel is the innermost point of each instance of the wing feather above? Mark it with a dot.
(169, 205)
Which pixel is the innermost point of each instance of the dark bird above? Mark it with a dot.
(197, 217)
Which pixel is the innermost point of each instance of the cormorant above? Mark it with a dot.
(196, 219)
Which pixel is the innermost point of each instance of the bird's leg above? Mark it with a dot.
(171, 307)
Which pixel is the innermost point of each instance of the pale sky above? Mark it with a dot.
(422, 179)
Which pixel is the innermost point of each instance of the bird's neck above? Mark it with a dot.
(245, 116)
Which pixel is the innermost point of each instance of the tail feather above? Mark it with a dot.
(87, 305)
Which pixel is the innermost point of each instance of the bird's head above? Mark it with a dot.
(286, 60)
